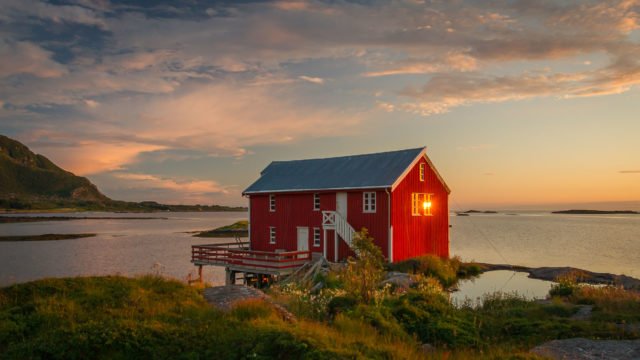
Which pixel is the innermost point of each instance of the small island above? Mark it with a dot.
(239, 229)
(596, 212)
(468, 212)
(45, 237)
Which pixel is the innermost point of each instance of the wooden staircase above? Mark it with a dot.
(332, 220)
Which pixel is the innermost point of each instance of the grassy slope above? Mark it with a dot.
(32, 182)
(150, 317)
(503, 326)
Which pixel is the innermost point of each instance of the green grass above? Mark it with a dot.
(447, 271)
(150, 317)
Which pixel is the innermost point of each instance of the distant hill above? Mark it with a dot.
(30, 181)
(29, 176)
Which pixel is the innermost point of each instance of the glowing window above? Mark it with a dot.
(421, 204)
(422, 169)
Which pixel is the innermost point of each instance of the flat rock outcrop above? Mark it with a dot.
(224, 298)
(585, 349)
(585, 276)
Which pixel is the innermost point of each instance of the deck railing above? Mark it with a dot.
(226, 255)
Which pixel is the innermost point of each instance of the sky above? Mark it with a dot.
(520, 103)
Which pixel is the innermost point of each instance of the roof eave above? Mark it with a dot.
(311, 190)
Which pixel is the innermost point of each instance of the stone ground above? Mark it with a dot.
(224, 298)
(585, 349)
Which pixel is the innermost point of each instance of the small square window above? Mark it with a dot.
(272, 234)
(316, 201)
(316, 237)
(369, 202)
(422, 169)
(272, 203)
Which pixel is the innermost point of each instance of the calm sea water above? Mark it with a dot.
(130, 247)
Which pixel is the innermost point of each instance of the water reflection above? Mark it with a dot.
(127, 247)
(501, 281)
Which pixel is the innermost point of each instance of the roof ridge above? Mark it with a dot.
(349, 156)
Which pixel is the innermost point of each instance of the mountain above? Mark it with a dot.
(30, 181)
(28, 176)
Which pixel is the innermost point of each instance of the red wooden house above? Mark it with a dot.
(311, 207)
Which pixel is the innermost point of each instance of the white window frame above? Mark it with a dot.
(316, 237)
(417, 208)
(316, 202)
(423, 167)
(272, 234)
(369, 202)
(272, 202)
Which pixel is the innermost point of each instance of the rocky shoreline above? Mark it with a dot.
(583, 276)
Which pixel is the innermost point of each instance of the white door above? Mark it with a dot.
(303, 238)
(341, 204)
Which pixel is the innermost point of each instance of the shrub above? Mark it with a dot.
(566, 285)
(363, 274)
(340, 304)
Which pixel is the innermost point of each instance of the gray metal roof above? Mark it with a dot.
(379, 170)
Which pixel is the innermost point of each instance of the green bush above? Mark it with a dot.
(340, 304)
(445, 270)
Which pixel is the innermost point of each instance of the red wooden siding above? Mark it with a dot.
(292, 210)
(377, 223)
(419, 235)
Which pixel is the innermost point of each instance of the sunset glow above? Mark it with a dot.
(521, 104)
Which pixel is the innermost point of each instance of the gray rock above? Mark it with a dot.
(398, 279)
(585, 349)
(317, 287)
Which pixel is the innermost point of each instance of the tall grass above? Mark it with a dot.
(447, 271)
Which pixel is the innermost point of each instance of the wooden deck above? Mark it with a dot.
(236, 257)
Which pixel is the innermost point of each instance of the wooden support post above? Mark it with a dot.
(200, 274)
(324, 243)
(230, 277)
(335, 249)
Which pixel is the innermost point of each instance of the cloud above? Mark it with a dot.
(449, 62)
(56, 13)
(629, 171)
(96, 84)
(87, 157)
(217, 120)
(315, 80)
(445, 91)
(21, 57)
(187, 186)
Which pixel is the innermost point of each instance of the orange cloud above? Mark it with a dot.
(187, 186)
